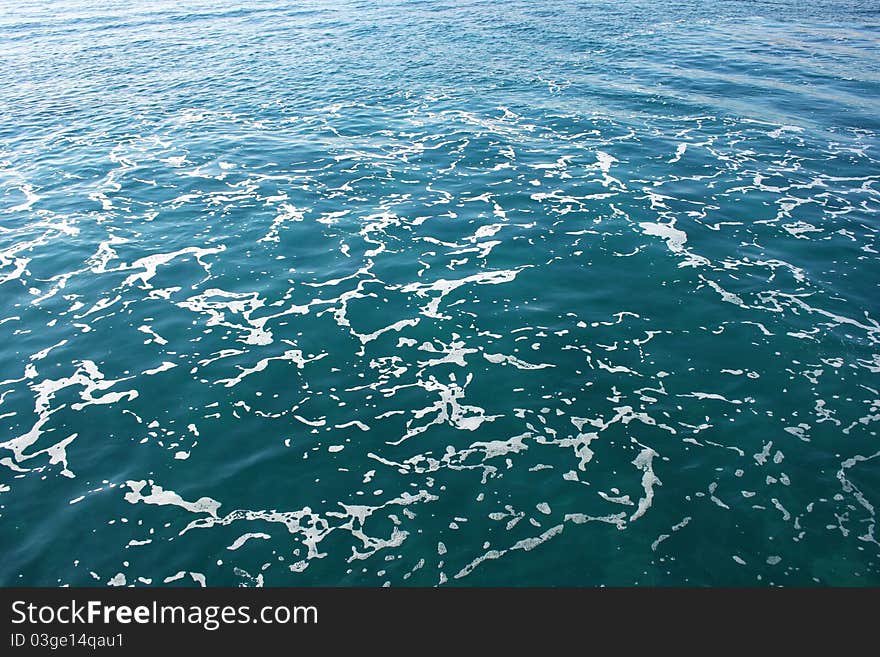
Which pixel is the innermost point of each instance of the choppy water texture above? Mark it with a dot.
(439, 293)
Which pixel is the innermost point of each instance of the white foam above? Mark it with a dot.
(644, 462)
(675, 240)
(244, 538)
(286, 213)
(161, 497)
(444, 287)
(679, 151)
(150, 264)
(294, 356)
(516, 362)
(164, 367)
(30, 199)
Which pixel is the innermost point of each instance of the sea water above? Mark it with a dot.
(439, 293)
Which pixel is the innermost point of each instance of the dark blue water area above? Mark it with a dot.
(439, 293)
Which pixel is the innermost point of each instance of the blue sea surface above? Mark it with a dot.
(439, 293)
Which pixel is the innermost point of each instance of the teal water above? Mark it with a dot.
(457, 293)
